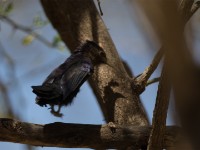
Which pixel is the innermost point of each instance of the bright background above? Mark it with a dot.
(134, 40)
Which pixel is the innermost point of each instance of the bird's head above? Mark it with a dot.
(93, 51)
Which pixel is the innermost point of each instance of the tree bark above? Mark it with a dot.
(160, 112)
(82, 135)
(77, 21)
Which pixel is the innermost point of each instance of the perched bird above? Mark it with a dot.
(63, 83)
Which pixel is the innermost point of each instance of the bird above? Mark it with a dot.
(63, 83)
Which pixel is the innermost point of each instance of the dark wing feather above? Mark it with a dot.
(73, 79)
(56, 73)
(47, 91)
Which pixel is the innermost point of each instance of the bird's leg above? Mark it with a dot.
(56, 113)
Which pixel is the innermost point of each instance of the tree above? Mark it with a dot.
(117, 92)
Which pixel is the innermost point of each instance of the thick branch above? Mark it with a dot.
(110, 82)
(80, 135)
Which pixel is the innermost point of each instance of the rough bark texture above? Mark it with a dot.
(81, 135)
(141, 81)
(77, 21)
(156, 139)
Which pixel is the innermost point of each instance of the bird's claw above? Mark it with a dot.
(56, 113)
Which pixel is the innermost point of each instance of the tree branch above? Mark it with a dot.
(99, 5)
(110, 82)
(186, 9)
(81, 135)
(170, 29)
(141, 81)
(183, 70)
(160, 112)
(6, 99)
(154, 80)
(26, 30)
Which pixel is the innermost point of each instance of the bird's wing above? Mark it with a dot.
(56, 73)
(47, 91)
(74, 77)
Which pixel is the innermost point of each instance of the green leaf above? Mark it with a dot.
(27, 40)
(56, 40)
(39, 22)
(9, 8)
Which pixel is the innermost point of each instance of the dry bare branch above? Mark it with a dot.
(154, 80)
(26, 30)
(156, 139)
(141, 80)
(6, 99)
(81, 135)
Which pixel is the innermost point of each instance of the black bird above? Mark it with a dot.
(63, 83)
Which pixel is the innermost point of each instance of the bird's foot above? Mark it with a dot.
(57, 112)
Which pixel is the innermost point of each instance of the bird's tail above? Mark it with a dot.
(47, 94)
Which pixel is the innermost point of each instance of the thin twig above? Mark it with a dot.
(7, 100)
(3, 87)
(154, 80)
(26, 30)
(141, 80)
(152, 67)
(99, 5)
